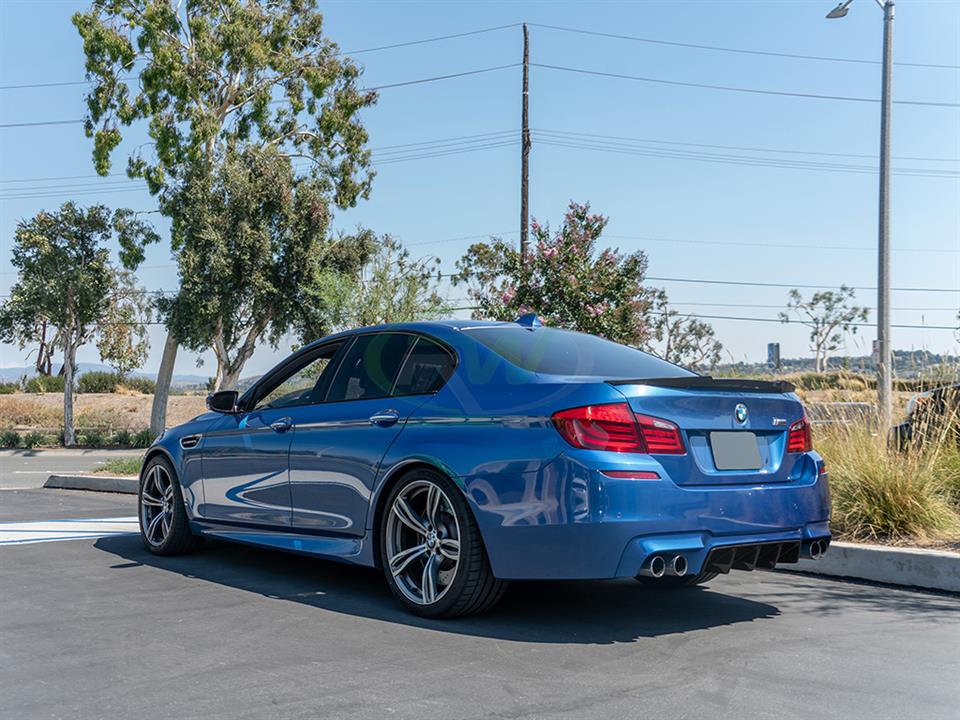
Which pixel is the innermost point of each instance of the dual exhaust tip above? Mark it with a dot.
(658, 566)
(816, 549)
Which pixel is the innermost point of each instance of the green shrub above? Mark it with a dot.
(8, 388)
(93, 438)
(9, 439)
(140, 385)
(143, 439)
(123, 438)
(97, 381)
(32, 439)
(45, 384)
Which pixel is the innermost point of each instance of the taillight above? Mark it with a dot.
(662, 437)
(600, 427)
(614, 427)
(798, 437)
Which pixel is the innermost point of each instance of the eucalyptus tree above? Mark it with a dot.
(256, 257)
(66, 281)
(211, 78)
(391, 287)
(830, 315)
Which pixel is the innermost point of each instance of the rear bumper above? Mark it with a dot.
(723, 554)
(569, 521)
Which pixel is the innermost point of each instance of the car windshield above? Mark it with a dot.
(563, 352)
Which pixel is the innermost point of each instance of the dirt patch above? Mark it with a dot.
(24, 411)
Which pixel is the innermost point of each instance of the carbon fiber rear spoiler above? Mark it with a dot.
(705, 382)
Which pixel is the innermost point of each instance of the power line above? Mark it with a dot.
(853, 324)
(747, 148)
(429, 40)
(342, 52)
(785, 246)
(743, 51)
(580, 31)
(387, 86)
(95, 189)
(730, 88)
(793, 285)
(781, 306)
(715, 158)
(41, 122)
(390, 149)
(441, 77)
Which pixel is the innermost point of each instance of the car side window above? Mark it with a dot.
(304, 386)
(370, 367)
(427, 367)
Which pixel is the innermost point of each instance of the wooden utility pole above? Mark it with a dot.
(525, 150)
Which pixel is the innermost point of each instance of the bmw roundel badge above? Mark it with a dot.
(741, 413)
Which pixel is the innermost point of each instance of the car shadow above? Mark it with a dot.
(597, 612)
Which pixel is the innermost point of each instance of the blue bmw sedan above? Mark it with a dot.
(456, 456)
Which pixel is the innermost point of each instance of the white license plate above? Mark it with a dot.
(735, 451)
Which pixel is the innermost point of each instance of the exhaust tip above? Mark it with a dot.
(816, 549)
(658, 566)
(679, 565)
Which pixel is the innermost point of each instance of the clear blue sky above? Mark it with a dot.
(669, 198)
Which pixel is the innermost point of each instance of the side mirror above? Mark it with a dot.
(223, 401)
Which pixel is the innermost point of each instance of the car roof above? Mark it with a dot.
(416, 325)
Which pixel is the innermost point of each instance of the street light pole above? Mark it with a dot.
(885, 371)
(884, 351)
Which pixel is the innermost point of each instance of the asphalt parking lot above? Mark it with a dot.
(30, 468)
(98, 628)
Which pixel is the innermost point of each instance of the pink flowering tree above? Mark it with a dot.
(568, 280)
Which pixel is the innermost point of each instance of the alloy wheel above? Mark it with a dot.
(156, 505)
(422, 542)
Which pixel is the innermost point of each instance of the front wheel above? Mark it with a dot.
(431, 550)
(164, 527)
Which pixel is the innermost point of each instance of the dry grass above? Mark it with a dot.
(115, 411)
(881, 494)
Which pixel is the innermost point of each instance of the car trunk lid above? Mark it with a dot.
(735, 431)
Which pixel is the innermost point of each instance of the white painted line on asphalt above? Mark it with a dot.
(24, 533)
(47, 472)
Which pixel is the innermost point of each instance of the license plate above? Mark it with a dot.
(735, 451)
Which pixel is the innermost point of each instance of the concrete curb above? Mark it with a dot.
(95, 483)
(914, 567)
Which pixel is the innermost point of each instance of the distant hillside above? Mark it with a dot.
(907, 364)
(12, 374)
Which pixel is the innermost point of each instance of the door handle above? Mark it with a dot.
(385, 418)
(281, 425)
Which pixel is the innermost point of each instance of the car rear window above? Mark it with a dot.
(564, 352)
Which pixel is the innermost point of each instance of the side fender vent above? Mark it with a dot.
(190, 441)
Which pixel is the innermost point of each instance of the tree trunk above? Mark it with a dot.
(69, 358)
(158, 414)
(230, 380)
(228, 371)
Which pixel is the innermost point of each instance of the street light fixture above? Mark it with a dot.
(839, 11)
(884, 369)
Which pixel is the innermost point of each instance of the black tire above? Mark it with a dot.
(177, 540)
(473, 589)
(676, 582)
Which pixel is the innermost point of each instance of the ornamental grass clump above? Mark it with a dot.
(881, 493)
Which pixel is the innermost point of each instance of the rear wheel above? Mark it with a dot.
(431, 550)
(676, 582)
(164, 527)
